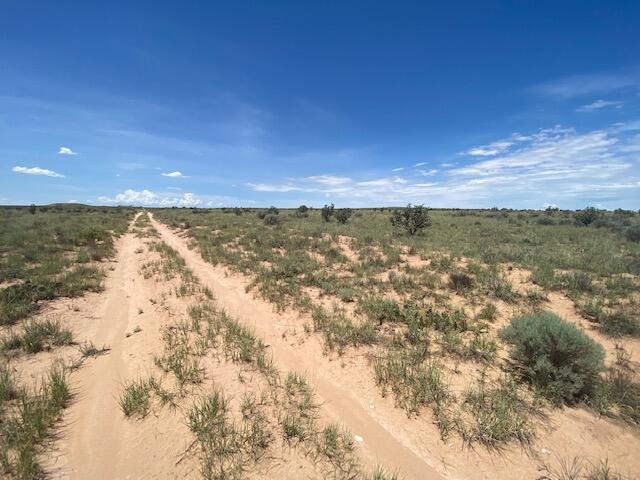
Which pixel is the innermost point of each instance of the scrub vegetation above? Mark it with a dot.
(424, 292)
(53, 251)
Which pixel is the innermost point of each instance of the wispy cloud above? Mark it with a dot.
(494, 148)
(66, 151)
(331, 180)
(420, 164)
(579, 85)
(37, 171)
(557, 164)
(399, 169)
(598, 104)
(176, 174)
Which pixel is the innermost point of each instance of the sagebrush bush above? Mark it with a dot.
(555, 356)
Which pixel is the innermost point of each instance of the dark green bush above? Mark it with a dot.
(588, 215)
(343, 215)
(633, 233)
(555, 356)
(460, 281)
(271, 220)
(411, 219)
(327, 212)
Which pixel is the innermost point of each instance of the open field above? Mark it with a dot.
(199, 343)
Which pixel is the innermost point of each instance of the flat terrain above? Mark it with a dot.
(245, 344)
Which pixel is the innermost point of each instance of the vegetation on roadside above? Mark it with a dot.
(53, 252)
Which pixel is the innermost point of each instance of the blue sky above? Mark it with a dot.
(463, 104)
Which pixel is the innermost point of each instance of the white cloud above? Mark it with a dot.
(549, 147)
(557, 165)
(420, 164)
(37, 171)
(598, 104)
(578, 85)
(66, 151)
(267, 187)
(149, 198)
(399, 169)
(175, 174)
(330, 180)
(497, 147)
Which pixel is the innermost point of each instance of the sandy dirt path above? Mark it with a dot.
(95, 433)
(379, 444)
(96, 440)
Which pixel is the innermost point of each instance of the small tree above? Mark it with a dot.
(272, 210)
(32, 209)
(588, 215)
(411, 219)
(271, 220)
(343, 215)
(302, 211)
(327, 212)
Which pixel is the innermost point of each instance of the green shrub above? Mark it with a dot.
(327, 212)
(381, 310)
(633, 233)
(588, 215)
(460, 281)
(411, 219)
(271, 219)
(554, 356)
(343, 215)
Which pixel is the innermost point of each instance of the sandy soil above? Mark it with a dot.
(95, 440)
(347, 387)
(379, 444)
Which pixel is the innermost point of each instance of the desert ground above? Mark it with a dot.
(319, 343)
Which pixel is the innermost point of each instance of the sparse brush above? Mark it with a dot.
(381, 310)
(489, 312)
(577, 468)
(33, 415)
(482, 347)
(498, 413)
(380, 473)
(135, 398)
(37, 335)
(88, 349)
(460, 281)
(415, 384)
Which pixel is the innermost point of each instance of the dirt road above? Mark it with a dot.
(378, 443)
(97, 441)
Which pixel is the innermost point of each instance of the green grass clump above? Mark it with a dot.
(226, 446)
(555, 356)
(135, 398)
(26, 422)
(338, 331)
(37, 335)
(381, 310)
(414, 382)
(499, 413)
